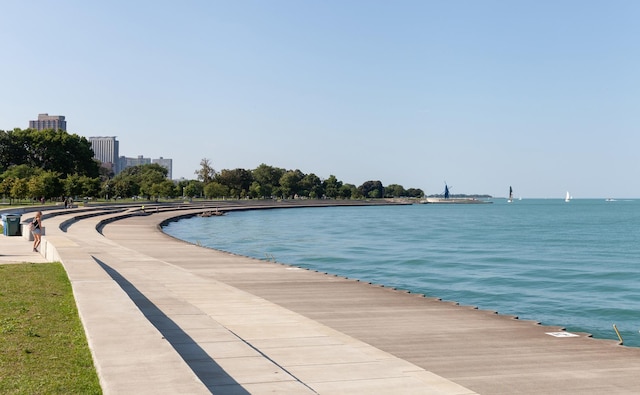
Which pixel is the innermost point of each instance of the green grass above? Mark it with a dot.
(43, 345)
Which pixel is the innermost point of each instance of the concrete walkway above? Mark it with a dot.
(164, 316)
(15, 249)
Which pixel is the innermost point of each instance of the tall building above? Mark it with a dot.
(166, 163)
(106, 150)
(130, 162)
(126, 161)
(46, 121)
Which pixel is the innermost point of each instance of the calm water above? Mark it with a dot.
(569, 264)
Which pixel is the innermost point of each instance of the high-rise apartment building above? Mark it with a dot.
(126, 161)
(46, 121)
(106, 150)
(131, 162)
(166, 163)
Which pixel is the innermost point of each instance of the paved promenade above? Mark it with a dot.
(164, 316)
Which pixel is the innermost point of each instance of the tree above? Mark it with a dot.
(332, 187)
(47, 184)
(90, 186)
(394, 190)
(215, 190)
(21, 171)
(6, 186)
(371, 189)
(149, 176)
(255, 190)
(193, 189)
(349, 191)
(268, 178)
(20, 189)
(73, 185)
(311, 186)
(122, 185)
(53, 150)
(237, 180)
(290, 183)
(164, 188)
(206, 174)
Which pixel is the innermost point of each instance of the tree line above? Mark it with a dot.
(52, 164)
(274, 182)
(46, 164)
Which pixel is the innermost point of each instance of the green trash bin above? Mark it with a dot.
(11, 224)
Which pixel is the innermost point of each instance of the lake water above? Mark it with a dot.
(575, 265)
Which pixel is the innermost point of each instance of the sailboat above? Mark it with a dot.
(567, 198)
(510, 195)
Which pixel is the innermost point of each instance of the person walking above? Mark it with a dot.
(36, 229)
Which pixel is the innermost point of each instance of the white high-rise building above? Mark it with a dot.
(106, 150)
(166, 163)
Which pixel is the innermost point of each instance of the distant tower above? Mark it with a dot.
(46, 121)
(106, 150)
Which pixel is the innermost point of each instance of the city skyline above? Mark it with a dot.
(484, 95)
(107, 150)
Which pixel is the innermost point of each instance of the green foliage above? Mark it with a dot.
(52, 150)
(215, 190)
(164, 188)
(76, 185)
(311, 185)
(46, 184)
(55, 164)
(22, 171)
(237, 181)
(19, 188)
(37, 163)
(193, 189)
(149, 180)
(349, 191)
(371, 189)
(44, 349)
(268, 179)
(290, 183)
(395, 190)
(415, 193)
(206, 173)
(332, 187)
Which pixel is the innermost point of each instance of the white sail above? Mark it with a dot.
(567, 197)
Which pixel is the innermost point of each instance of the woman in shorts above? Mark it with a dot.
(36, 226)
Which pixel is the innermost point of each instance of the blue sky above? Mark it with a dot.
(540, 95)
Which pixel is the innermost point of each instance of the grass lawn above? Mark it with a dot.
(44, 348)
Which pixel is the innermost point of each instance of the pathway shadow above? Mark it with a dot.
(208, 371)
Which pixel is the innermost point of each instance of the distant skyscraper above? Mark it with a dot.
(126, 161)
(140, 160)
(46, 121)
(166, 163)
(106, 150)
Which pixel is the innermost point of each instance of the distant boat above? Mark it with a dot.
(510, 195)
(567, 197)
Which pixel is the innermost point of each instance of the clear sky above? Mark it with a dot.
(540, 95)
